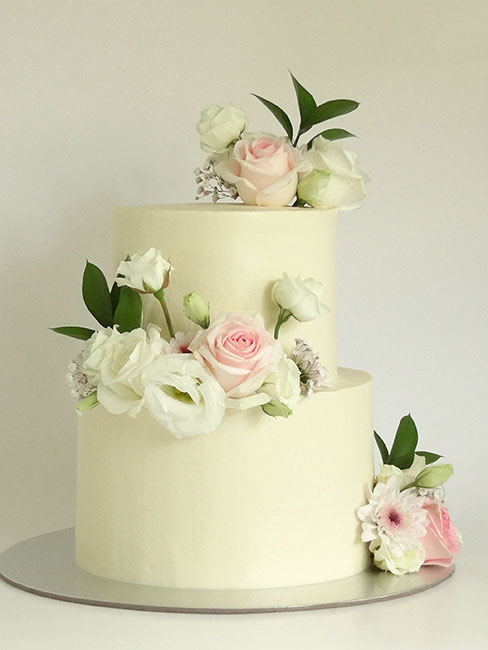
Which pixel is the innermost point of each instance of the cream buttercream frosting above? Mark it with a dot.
(260, 502)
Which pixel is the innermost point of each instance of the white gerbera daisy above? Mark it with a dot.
(394, 517)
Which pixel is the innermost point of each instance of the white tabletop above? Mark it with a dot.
(451, 616)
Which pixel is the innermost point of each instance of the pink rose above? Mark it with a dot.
(238, 351)
(441, 541)
(263, 169)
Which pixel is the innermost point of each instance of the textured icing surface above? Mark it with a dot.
(232, 254)
(257, 503)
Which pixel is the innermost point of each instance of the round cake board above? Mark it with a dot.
(45, 565)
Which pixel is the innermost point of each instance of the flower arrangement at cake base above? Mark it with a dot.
(189, 379)
(405, 520)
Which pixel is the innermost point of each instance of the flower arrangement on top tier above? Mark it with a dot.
(267, 170)
(188, 379)
(405, 520)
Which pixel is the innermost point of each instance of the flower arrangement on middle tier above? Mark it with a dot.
(189, 379)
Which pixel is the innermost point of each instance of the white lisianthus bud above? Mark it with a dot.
(312, 187)
(283, 383)
(432, 477)
(220, 126)
(145, 272)
(299, 297)
(344, 188)
(196, 309)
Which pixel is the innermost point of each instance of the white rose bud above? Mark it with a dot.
(220, 126)
(299, 297)
(343, 187)
(145, 272)
(312, 187)
(196, 309)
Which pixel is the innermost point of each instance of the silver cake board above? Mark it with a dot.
(45, 565)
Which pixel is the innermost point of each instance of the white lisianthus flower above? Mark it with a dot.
(393, 516)
(338, 181)
(145, 272)
(406, 476)
(408, 561)
(299, 297)
(183, 396)
(283, 383)
(220, 126)
(115, 364)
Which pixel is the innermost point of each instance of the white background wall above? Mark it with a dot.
(98, 104)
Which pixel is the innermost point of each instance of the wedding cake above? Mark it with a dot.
(219, 445)
(255, 503)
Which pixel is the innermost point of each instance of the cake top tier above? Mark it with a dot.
(217, 208)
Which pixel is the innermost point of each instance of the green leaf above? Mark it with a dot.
(82, 333)
(114, 296)
(306, 105)
(96, 295)
(406, 439)
(128, 313)
(382, 447)
(334, 108)
(336, 134)
(280, 115)
(429, 456)
(276, 409)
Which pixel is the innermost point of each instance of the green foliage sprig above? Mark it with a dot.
(119, 306)
(403, 453)
(404, 446)
(311, 114)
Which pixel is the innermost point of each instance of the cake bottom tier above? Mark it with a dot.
(258, 503)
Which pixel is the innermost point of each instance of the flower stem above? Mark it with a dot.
(283, 316)
(160, 296)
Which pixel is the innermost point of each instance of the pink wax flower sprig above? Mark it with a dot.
(272, 171)
(408, 488)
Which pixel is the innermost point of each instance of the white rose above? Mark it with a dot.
(408, 561)
(342, 184)
(219, 126)
(283, 384)
(146, 272)
(300, 297)
(407, 476)
(115, 364)
(183, 396)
